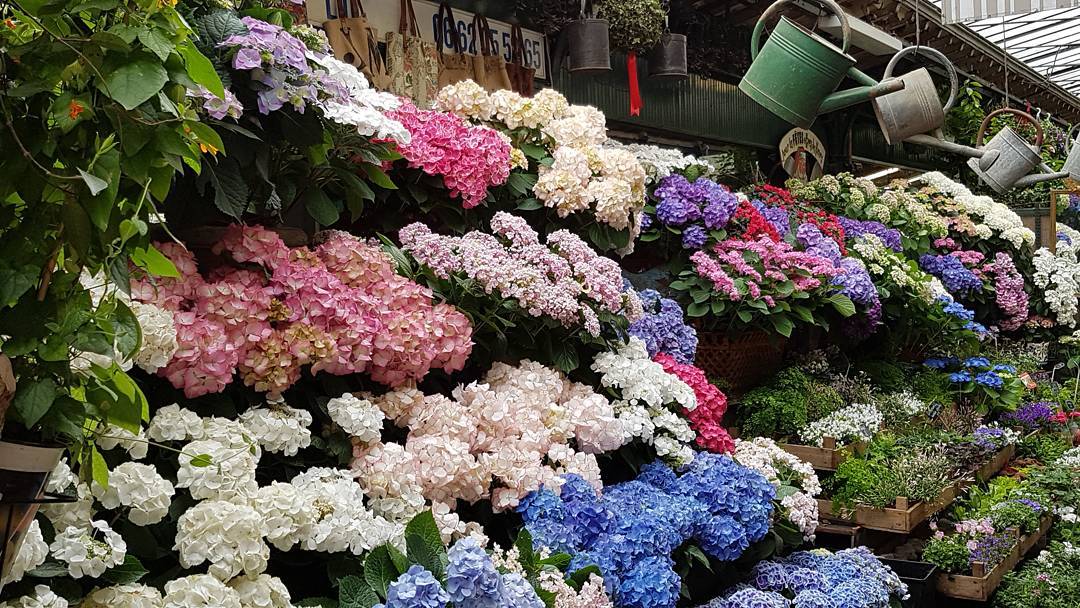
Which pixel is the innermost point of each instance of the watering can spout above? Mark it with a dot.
(1038, 178)
(850, 97)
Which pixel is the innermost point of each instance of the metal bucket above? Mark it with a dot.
(1072, 161)
(668, 59)
(589, 52)
(916, 109)
(1015, 158)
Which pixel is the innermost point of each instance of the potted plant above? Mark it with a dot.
(95, 121)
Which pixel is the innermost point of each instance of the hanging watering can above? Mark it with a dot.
(668, 59)
(1008, 157)
(917, 109)
(588, 52)
(794, 74)
(1072, 161)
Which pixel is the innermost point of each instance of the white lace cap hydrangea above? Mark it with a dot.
(262, 591)
(358, 417)
(342, 523)
(114, 436)
(123, 596)
(278, 427)
(288, 514)
(43, 597)
(212, 470)
(174, 423)
(856, 422)
(89, 550)
(140, 487)
(32, 553)
(227, 535)
(199, 591)
(158, 336)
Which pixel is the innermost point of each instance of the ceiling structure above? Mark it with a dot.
(1041, 67)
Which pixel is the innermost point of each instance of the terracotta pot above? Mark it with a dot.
(24, 472)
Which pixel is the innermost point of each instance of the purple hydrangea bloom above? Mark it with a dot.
(646, 221)
(694, 237)
(663, 329)
(777, 216)
(683, 202)
(471, 577)
(953, 274)
(677, 212)
(417, 588)
(813, 241)
(891, 237)
(855, 282)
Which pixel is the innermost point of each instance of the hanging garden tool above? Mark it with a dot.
(667, 60)
(1009, 157)
(795, 73)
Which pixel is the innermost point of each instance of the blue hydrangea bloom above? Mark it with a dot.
(960, 377)
(990, 380)
(755, 598)
(1004, 368)
(651, 583)
(977, 362)
(956, 277)
(805, 579)
(769, 576)
(471, 577)
(663, 328)
(940, 362)
(417, 588)
(812, 598)
(518, 593)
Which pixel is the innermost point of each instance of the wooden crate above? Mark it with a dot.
(902, 518)
(989, 468)
(826, 458)
(980, 585)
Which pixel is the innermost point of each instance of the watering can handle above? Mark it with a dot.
(831, 5)
(1069, 134)
(954, 82)
(1020, 114)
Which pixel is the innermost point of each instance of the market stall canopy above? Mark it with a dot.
(956, 11)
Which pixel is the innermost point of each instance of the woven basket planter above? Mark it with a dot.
(743, 361)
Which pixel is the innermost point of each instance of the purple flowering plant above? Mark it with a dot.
(685, 215)
(663, 328)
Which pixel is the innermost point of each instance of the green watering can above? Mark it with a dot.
(796, 71)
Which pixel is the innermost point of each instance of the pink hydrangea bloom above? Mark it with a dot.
(469, 158)
(167, 292)
(760, 265)
(1009, 292)
(707, 418)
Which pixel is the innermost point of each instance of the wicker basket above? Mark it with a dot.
(743, 361)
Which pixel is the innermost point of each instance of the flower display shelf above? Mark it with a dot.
(989, 468)
(904, 517)
(743, 361)
(981, 584)
(826, 458)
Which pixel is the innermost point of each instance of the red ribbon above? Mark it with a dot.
(635, 90)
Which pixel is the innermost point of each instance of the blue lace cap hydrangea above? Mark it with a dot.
(472, 580)
(812, 598)
(977, 363)
(769, 576)
(416, 588)
(990, 380)
(960, 377)
(861, 593)
(650, 583)
(837, 570)
(756, 598)
(805, 579)
(805, 559)
(870, 566)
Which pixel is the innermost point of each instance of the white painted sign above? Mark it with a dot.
(384, 15)
(802, 154)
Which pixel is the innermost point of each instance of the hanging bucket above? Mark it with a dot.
(794, 74)
(668, 59)
(917, 109)
(24, 472)
(589, 51)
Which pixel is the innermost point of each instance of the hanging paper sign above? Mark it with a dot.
(383, 16)
(802, 154)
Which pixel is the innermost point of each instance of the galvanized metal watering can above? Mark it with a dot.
(795, 73)
(917, 109)
(1072, 161)
(1008, 157)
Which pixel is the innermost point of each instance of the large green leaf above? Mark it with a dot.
(14, 282)
(134, 79)
(230, 190)
(353, 592)
(128, 332)
(131, 571)
(424, 544)
(201, 70)
(157, 41)
(153, 261)
(379, 570)
(33, 398)
(321, 208)
(782, 324)
(216, 26)
(842, 304)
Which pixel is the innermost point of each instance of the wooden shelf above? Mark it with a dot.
(902, 518)
(826, 458)
(980, 585)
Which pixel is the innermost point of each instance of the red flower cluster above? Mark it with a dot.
(804, 213)
(756, 226)
(706, 418)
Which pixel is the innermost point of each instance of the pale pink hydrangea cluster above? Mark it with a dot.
(339, 308)
(500, 438)
(469, 158)
(563, 279)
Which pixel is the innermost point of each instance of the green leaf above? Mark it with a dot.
(206, 134)
(128, 332)
(379, 177)
(134, 79)
(526, 553)
(424, 544)
(201, 70)
(782, 324)
(581, 576)
(842, 304)
(522, 183)
(202, 460)
(33, 399)
(158, 43)
(14, 282)
(320, 208)
(354, 593)
(319, 602)
(153, 261)
(216, 26)
(93, 182)
(529, 204)
(99, 471)
(379, 570)
(401, 562)
(77, 228)
(558, 560)
(533, 151)
(230, 190)
(131, 571)
(697, 309)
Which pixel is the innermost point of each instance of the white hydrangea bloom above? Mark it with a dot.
(199, 591)
(765, 457)
(358, 417)
(856, 422)
(343, 523)
(288, 515)
(65, 514)
(801, 509)
(262, 591)
(174, 423)
(89, 551)
(230, 472)
(32, 553)
(123, 596)
(278, 427)
(363, 107)
(466, 99)
(227, 535)
(113, 436)
(140, 487)
(158, 336)
(43, 598)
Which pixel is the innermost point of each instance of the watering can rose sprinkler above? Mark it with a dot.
(795, 73)
(1008, 157)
